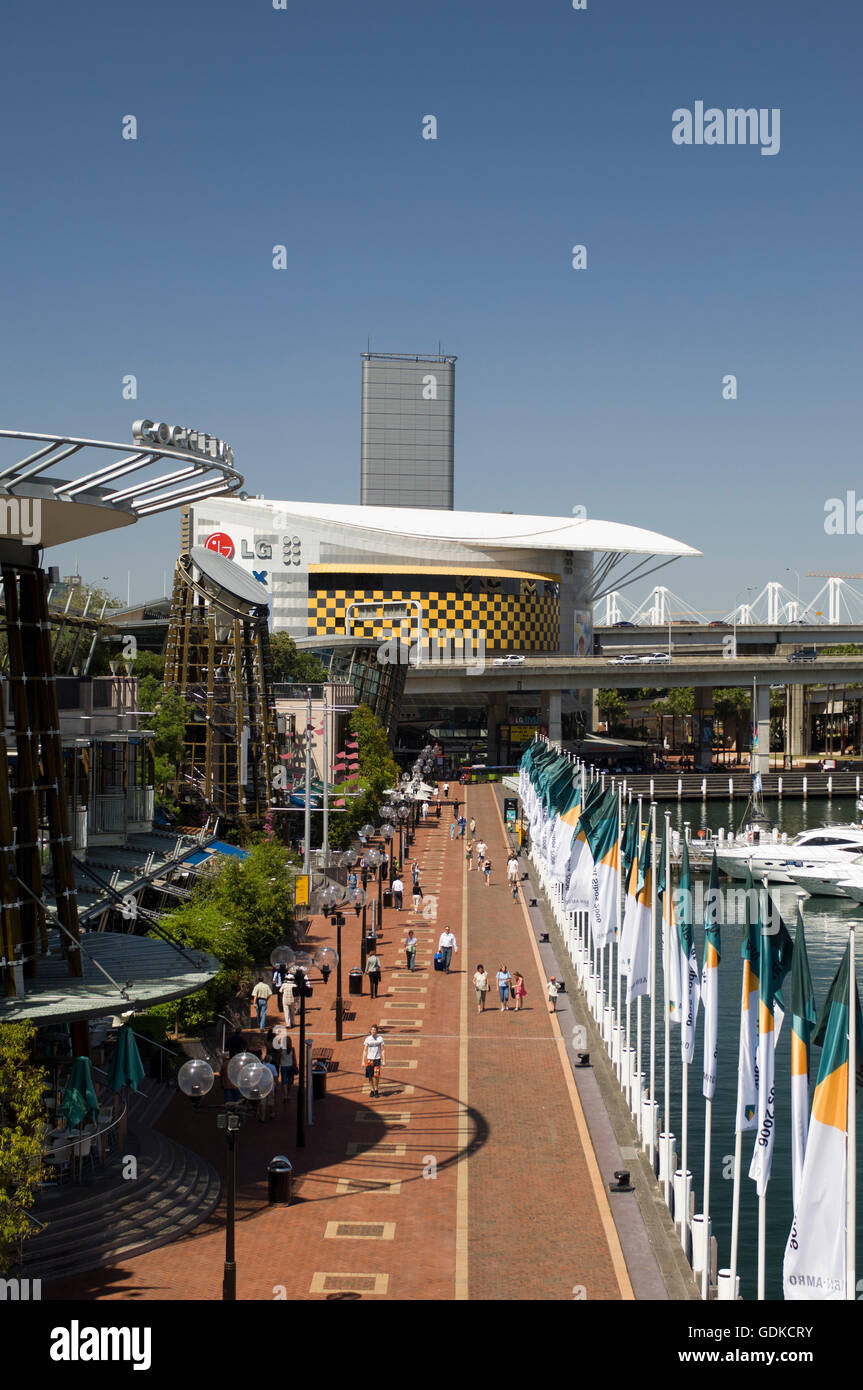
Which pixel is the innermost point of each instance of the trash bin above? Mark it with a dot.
(280, 1175)
(355, 981)
(319, 1080)
(388, 897)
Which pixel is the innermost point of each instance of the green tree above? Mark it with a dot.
(377, 770)
(732, 704)
(171, 713)
(21, 1120)
(290, 664)
(238, 912)
(613, 708)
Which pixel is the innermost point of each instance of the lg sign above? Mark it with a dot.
(221, 542)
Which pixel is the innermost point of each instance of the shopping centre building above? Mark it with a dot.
(474, 584)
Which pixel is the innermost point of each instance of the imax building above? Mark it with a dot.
(503, 583)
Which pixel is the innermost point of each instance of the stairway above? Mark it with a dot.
(174, 1191)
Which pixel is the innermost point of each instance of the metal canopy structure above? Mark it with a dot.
(63, 489)
(218, 656)
(89, 499)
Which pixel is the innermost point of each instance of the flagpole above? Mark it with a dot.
(307, 816)
(851, 1157)
(653, 905)
(617, 927)
(325, 756)
(762, 1199)
(666, 948)
(705, 1273)
(684, 1143)
(735, 1203)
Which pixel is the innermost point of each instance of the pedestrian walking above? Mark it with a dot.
(415, 871)
(425, 810)
(452, 830)
(519, 991)
(437, 811)
(398, 894)
(462, 826)
(446, 946)
(504, 980)
(480, 984)
(473, 825)
(486, 869)
(267, 1104)
(373, 1059)
(260, 999)
(229, 1093)
(481, 848)
(436, 791)
(418, 897)
(288, 994)
(352, 881)
(286, 1061)
(552, 995)
(373, 970)
(278, 978)
(410, 949)
(468, 854)
(446, 788)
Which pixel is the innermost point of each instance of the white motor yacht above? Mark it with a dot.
(819, 847)
(828, 880)
(853, 885)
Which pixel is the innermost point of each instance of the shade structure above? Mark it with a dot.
(79, 1099)
(126, 1067)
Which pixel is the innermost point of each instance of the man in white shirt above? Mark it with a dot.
(398, 893)
(373, 1058)
(260, 999)
(446, 946)
(480, 853)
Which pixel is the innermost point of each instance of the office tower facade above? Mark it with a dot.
(408, 427)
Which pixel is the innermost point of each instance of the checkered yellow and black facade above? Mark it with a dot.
(516, 614)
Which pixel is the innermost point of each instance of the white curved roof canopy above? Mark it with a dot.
(493, 529)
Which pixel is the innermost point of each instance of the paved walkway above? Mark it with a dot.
(471, 1176)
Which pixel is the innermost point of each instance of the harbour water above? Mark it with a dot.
(826, 924)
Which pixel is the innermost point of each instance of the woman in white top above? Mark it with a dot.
(480, 984)
(503, 982)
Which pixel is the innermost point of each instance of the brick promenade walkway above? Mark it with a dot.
(383, 1206)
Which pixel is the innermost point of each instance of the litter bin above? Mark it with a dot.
(388, 897)
(280, 1175)
(319, 1080)
(355, 981)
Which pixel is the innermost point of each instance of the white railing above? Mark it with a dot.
(109, 814)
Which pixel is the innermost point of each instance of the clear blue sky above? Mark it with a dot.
(603, 387)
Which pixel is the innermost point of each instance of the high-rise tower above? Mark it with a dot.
(408, 422)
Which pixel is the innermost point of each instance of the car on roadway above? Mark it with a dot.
(654, 658)
(623, 624)
(629, 659)
(803, 654)
(512, 659)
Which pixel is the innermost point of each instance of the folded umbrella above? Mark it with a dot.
(126, 1067)
(79, 1099)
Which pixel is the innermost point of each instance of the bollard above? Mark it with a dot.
(682, 1205)
(651, 788)
(724, 1291)
(607, 1025)
(649, 1124)
(639, 1079)
(700, 1243)
(667, 1158)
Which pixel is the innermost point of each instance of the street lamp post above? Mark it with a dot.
(254, 1081)
(375, 859)
(303, 992)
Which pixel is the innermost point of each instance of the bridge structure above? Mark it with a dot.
(550, 677)
(837, 602)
